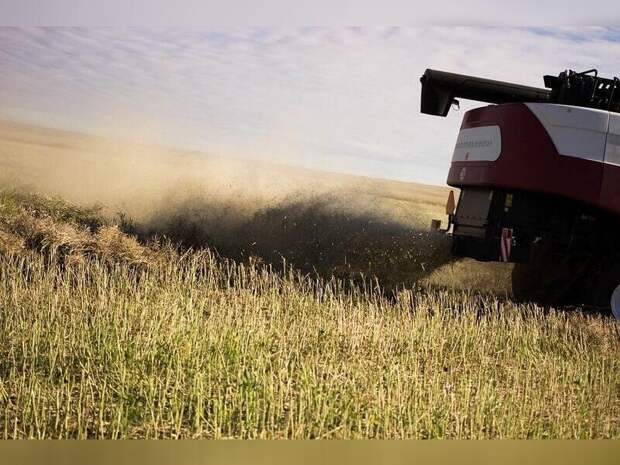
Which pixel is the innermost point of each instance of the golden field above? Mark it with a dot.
(149, 293)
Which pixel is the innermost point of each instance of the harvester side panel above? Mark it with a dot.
(529, 160)
(575, 132)
(610, 189)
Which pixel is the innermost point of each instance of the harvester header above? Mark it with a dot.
(440, 91)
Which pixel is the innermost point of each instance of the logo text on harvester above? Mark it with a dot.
(472, 144)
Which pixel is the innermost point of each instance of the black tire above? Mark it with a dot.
(550, 278)
(601, 280)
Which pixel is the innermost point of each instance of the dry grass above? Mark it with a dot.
(131, 340)
(53, 227)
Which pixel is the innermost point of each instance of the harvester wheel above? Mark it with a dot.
(549, 278)
(615, 303)
(553, 278)
(603, 285)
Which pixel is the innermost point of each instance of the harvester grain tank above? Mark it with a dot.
(539, 179)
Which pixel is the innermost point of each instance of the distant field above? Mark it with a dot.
(87, 169)
(318, 221)
(191, 304)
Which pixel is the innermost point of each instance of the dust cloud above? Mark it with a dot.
(318, 222)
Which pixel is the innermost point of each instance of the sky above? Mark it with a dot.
(337, 98)
(223, 14)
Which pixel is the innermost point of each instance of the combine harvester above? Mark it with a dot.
(539, 174)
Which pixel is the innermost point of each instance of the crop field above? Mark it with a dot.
(197, 312)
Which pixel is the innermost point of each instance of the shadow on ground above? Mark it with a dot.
(320, 235)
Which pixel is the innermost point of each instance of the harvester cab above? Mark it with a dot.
(539, 178)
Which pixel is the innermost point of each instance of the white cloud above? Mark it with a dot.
(343, 99)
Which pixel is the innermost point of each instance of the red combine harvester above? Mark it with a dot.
(539, 174)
